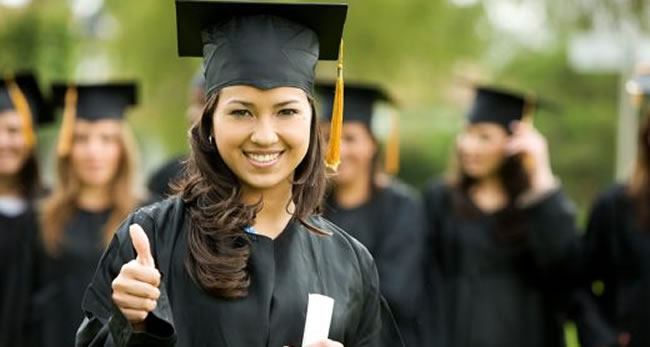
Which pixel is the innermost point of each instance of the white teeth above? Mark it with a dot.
(263, 158)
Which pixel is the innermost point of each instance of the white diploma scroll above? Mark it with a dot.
(319, 318)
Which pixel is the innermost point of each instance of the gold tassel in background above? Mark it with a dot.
(333, 156)
(22, 107)
(391, 163)
(67, 126)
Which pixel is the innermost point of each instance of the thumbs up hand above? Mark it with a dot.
(135, 289)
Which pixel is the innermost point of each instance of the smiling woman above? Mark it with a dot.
(242, 245)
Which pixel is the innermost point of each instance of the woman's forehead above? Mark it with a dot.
(98, 125)
(256, 95)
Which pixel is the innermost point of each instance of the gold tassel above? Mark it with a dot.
(22, 107)
(333, 156)
(391, 164)
(67, 126)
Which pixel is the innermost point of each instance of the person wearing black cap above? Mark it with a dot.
(96, 158)
(22, 108)
(501, 231)
(161, 181)
(237, 257)
(617, 242)
(385, 215)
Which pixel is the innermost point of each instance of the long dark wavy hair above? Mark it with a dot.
(218, 248)
(515, 180)
(639, 185)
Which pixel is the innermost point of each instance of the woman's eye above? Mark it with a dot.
(80, 138)
(240, 113)
(13, 130)
(288, 112)
(485, 137)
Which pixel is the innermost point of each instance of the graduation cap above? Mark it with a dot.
(494, 105)
(264, 45)
(21, 93)
(90, 102)
(360, 100)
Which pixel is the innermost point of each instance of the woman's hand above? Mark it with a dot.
(135, 289)
(531, 143)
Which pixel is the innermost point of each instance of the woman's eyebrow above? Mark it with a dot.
(288, 102)
(242, 102)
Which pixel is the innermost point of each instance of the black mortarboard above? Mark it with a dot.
(499, 106)
(98, 101)
(90, 102)
(265, 45)
(39, 108)
(358, 104)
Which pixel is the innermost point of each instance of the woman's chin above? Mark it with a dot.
(263, 182)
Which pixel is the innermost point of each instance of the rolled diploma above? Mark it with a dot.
(319, 318)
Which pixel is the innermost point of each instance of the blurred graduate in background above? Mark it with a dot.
(617, 242)
(383, 213)
(22, 108)
(501, 230)
(95, 166)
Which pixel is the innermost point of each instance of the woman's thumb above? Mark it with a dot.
(141, 244)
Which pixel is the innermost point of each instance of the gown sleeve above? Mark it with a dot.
(599, 259)
(378, 328)
(400, 261)
(104, 324)
(552, 236)
(432, 324)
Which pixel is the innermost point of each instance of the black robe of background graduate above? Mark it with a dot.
(17, 241)
(391, 226)
(618, 254)
(18, 221)
(283, 273)
(62, 279)
(501, 292)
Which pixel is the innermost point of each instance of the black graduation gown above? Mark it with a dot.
(392, 226)
(62, 279)
(17, 240)
(501, 292)
(282, 271)
(617, 248)
(159, 182)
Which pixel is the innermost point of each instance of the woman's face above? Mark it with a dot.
(96, 151)
(262, 135)
(13, 148)
(481, 149)
(358, 148)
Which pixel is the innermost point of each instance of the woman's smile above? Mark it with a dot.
(263, 159)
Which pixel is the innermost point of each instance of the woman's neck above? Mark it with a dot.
(93, 198)
(355, 193)
(9, 187)
(277, 208)
(488, 194)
